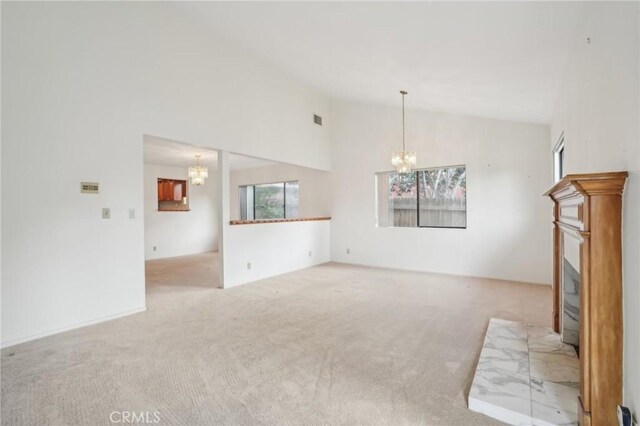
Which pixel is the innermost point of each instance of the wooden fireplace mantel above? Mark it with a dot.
(590, 184)
(588, 210)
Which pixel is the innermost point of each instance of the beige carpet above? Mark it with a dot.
(333, 344)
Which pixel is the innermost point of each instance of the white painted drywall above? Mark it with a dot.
(315, 192)
(508, 231)
(1, 185)
(223, 209)
(81, 84)
(179, 233)
(598, 111)
(273, 249)
(277, 248)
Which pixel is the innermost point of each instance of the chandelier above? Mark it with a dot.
(198, 173)
(403, 160)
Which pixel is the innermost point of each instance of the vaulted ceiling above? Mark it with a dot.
(501, 60)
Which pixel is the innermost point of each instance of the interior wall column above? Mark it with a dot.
(224, 209)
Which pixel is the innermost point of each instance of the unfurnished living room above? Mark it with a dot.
(320, 213)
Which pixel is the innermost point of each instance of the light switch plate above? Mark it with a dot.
(106, 213)
(132, 213)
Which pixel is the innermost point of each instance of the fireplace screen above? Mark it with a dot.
(570, 303)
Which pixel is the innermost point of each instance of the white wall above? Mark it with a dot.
(315, 192)
(81, 84)
(277, 248)
(274, 248)
(179, 233)
(598, 111)
(508, 220)
(0, 187)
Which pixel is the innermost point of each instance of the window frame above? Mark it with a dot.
(559, 159)
(416, 171)
(284, 197)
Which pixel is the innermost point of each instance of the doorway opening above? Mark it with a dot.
(181, 217)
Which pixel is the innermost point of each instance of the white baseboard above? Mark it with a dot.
(71, 327)
(259, 277)
(369, 265)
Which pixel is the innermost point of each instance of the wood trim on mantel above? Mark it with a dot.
(592, 183)
(260, 221)
(589, 207)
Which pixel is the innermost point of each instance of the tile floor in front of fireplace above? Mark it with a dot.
(526, 376)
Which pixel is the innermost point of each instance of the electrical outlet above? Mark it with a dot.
(155, 248)
(106, 213)
(309, 253)
(248, 265)
(348, 251)
(625, 417)
(132, 213)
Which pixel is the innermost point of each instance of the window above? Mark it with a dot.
(558, 160)
(269, 201)
(427, 198)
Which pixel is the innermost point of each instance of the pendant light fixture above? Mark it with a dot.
(403, 160)
(198, 173)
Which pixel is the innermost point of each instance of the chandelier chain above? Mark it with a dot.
(403, 144)
(403, 160)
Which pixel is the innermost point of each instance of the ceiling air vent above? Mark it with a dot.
(317, 119)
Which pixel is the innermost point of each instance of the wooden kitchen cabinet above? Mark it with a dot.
(171, 189)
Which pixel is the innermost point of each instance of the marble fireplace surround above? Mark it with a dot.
(526, 376)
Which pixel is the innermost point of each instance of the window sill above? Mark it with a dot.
(260, 221)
